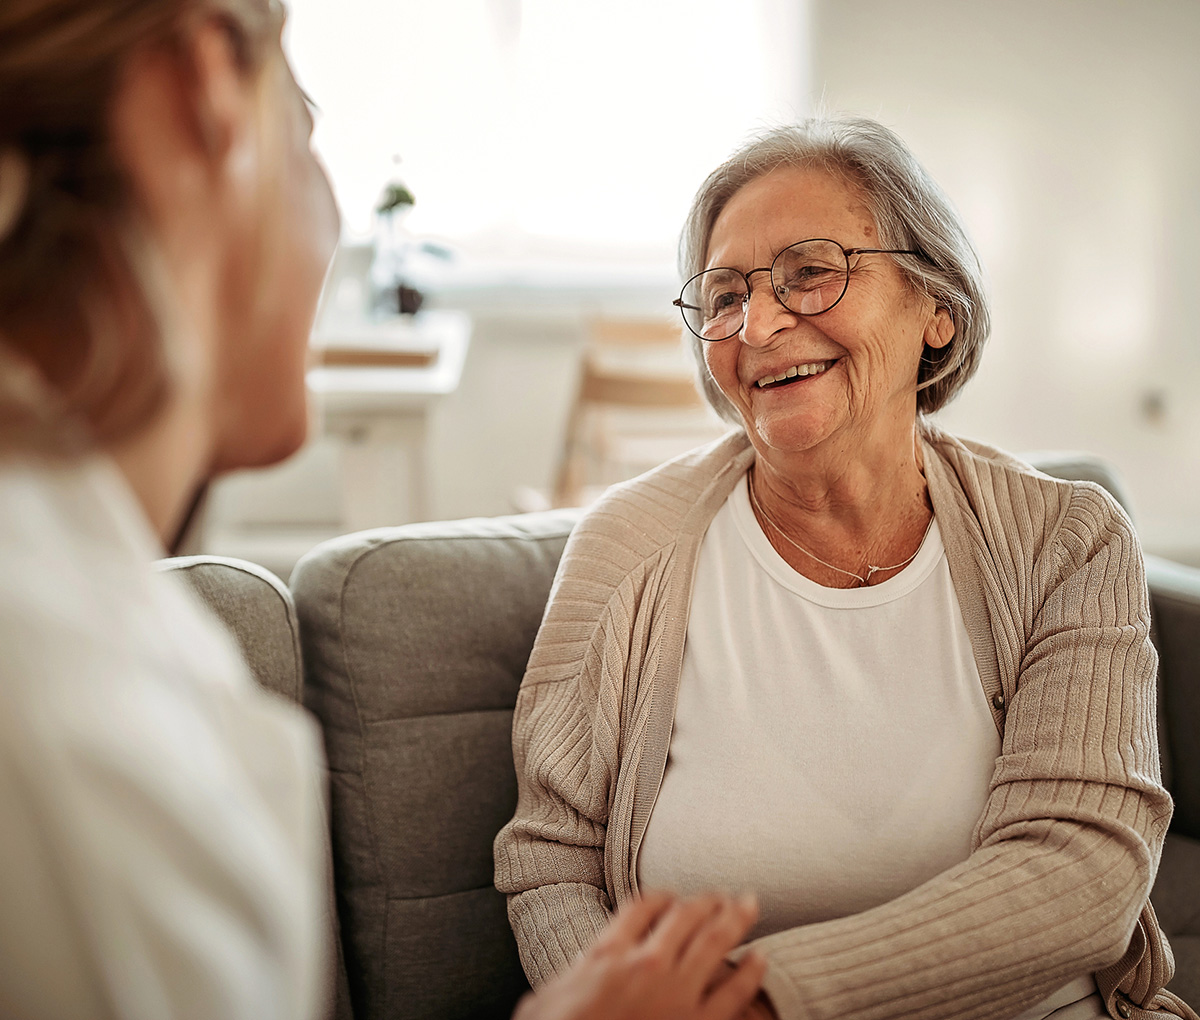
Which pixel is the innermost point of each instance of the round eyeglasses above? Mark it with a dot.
(808, 278)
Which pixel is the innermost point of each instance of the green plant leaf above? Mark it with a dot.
(395, 196)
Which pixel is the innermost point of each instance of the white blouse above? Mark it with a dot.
(161, 850)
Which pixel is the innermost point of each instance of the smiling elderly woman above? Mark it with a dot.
(899, 685)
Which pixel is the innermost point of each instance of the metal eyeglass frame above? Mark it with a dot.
(846, 252)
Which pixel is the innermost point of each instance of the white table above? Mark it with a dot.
(380, 415)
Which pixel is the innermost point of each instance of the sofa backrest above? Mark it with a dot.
(415, 641)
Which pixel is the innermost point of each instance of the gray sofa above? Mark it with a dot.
(414, 640)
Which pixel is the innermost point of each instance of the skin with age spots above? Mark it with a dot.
(838, 459)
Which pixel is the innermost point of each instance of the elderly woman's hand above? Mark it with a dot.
(660, 959)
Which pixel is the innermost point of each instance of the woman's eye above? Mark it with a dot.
(722, 302)
(808, 276)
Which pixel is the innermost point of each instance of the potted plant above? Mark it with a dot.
(392, 246)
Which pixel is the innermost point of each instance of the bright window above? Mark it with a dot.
(548, 125)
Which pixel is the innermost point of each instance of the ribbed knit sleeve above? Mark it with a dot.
(1071, 834)
(550, 858)
(593, 716)
(567, 729)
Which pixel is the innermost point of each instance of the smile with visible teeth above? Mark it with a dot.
(795, 372)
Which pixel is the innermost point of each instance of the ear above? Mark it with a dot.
(224, 97)
(182, 121)
(939, 331)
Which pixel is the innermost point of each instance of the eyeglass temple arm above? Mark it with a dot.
(678, 303)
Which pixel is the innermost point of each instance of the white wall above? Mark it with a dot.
(1066, 132)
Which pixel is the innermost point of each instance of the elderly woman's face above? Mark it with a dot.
(858, 361)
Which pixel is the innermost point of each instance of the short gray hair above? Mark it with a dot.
(910, 211)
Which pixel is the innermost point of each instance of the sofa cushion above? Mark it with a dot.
(1177, 902)
(415, 641)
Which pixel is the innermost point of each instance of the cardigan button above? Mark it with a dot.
(998, 702)
(1123, 1007)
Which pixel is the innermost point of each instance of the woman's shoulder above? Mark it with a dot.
(626, 548)
(76, 577)
(979, 462)
(1012, 497)
(98, 642)
(68, 513)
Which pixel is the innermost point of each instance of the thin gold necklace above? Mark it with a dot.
(871, 569)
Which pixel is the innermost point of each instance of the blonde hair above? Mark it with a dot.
(82, 308)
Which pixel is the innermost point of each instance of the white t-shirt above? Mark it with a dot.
(832, 748)
(161, 849)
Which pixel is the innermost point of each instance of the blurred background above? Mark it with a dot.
(552, 148)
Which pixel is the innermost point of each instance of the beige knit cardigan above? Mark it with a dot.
(1050, 582)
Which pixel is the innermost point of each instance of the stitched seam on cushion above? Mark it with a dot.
(457, 892)
(438, 715)
(376, 852)
(354, 564)
(398, 539)
(289, 612)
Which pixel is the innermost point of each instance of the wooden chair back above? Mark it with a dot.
(636, 405)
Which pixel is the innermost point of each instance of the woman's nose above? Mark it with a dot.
(765, 315)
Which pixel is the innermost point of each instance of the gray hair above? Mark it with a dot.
(910, 211)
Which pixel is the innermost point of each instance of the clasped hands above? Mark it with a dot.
(661, 958)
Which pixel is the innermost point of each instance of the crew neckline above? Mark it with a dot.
(929, 555)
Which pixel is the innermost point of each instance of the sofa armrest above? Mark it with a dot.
(257, 608)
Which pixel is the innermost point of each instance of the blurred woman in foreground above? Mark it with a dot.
(164, 230)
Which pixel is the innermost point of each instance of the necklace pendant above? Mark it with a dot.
(871, 569)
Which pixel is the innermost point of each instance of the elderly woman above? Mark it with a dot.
(899, 685)
(164, 230)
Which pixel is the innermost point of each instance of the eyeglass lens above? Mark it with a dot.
(807, 278)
